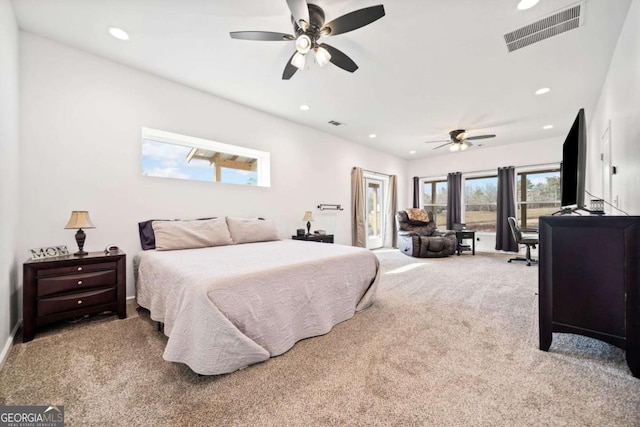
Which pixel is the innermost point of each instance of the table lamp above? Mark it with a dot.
(80, 220)
(308, 217)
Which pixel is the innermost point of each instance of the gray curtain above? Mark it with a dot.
(416, 192)
(392, 234)
(358, 237)
(454, 199)
(506, 208)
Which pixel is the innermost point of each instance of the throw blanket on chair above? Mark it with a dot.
(416, 214)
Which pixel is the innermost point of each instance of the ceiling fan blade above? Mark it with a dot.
(480, 137)
(354, 20)
(266, 36)
(299, 10)
(289, 69)
(339, 59)
(443, 145)
(440, 140)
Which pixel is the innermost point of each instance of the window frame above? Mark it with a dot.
(519, 171)
(263, 166)
(521, 206)
(434, 181)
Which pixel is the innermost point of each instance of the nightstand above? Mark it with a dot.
(322, 238)
(64, 287)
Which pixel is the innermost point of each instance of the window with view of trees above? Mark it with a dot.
(538, 193)
(480, 203)
(434, 199)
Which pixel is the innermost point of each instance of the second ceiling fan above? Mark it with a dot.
(309, 27)
(459, 140)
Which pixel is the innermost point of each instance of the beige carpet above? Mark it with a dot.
(449, 342)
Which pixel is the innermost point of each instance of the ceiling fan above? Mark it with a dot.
(309, 27)
(458, 140)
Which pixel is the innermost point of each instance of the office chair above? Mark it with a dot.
(529, 241)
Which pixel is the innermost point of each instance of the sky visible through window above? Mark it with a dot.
(166, 160)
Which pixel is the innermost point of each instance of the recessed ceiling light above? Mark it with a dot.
(527, 4)
(412, 152)
(547, 127)
(373, 135)
(304, 107)
(118, 33)
(543, 90)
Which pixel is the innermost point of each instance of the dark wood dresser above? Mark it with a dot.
(66, 287)
(589, 280)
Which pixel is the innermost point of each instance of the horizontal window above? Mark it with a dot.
(170, 155)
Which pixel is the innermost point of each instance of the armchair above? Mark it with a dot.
(420, 238)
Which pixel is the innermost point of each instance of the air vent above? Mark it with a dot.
(333, 122)
(545, 28)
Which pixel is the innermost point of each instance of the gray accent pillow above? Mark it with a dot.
(171, 235)
(249, 230)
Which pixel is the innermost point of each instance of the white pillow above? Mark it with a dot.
(248, 230)
(172, 235)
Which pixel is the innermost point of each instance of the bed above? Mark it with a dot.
(229, 306)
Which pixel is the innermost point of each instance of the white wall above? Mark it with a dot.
(9, 184)
(80, 149)
(620, 103)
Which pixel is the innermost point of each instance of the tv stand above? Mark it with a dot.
(589, 280)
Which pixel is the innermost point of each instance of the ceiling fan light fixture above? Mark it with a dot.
(322, 56)
(298, 60)
(303, 44)
(304, 25)
(454, 147)
(463, 146)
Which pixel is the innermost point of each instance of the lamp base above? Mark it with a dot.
(80, 236)
(308, 228)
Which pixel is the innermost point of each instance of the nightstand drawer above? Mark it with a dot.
(75, 282)
(76, 269)
(75, 301)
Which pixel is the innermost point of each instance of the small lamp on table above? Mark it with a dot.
(308, 217)
(80, 220)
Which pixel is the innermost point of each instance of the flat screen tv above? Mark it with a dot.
(574, 163)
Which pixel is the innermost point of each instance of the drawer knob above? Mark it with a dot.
(79, 268)
(79, 282)
(79, 301)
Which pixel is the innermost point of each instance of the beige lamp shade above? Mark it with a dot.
(307, 216)
(80, 219)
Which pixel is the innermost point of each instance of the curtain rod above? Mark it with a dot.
(374, 172)
(543, 165)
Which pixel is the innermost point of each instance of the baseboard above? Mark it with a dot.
(7, 346)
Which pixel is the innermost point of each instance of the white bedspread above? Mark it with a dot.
(227, 307)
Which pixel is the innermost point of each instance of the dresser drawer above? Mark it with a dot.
(75, 282)
(59, 271)
(59, 304)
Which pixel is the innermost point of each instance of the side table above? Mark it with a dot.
(466, 234)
